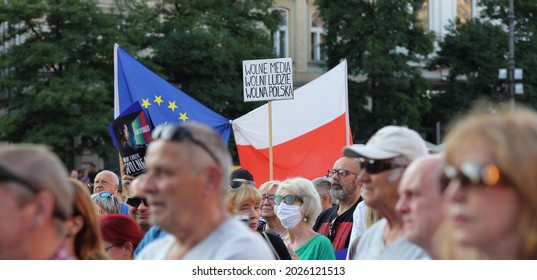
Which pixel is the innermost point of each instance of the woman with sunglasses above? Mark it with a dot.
(491, 183)
(245, 203)
(298, 205)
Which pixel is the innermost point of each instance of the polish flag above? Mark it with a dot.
(308, 132)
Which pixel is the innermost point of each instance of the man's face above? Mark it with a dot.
(174, 189)
(345, 187)
(267, 203)
(420, 201)
(13, 224)
(380, 189)
(141, 213)
(105, 182)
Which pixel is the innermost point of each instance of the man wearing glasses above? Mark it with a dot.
(336, 222)
(36, 199)
(383, 160)
(187, 167)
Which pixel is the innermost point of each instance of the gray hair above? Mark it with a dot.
(267, 186)
(304, 189)
(322, 185)
(109, 205)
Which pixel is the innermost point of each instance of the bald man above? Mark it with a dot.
(108, 181)
(420, 202)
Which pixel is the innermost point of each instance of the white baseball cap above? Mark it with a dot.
(389, 142)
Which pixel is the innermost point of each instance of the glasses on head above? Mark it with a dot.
(8, 176)
(269, 198)
(332, 229)
(288, 199)
(175, 132)
(472, 174)
(136, 201)
(342, 173)
(237, 183)
(376, 166)
(102, 194)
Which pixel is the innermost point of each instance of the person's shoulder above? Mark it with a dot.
(157, 249)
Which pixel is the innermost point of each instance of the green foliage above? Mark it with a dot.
(474, 51)
(200, 47)
(383, 41)
(57, 81)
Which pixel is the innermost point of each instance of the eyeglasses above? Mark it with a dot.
(341, 172)
(8, 176)
(332, 230)
(270, 198)
(237, 183)
(472, 174)
(109, 247)
(288, 199)
(102, 194)
(135, 201)
(175, 132)
(375, 166)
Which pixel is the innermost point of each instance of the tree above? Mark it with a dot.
(56, 75)
(384, 42)
(474, 51)
(200, 47)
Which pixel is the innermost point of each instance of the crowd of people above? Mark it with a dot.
(390, 198)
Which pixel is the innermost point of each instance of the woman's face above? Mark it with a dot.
(267, 203)
(252, 210)
(117, 252)
(483, 215)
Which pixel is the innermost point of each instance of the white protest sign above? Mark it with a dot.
(268, 79)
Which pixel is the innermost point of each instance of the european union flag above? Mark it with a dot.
(164, 102)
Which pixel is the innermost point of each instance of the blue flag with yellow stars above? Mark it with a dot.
(164, 102)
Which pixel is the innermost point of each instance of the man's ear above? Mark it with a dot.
(212, 183)
(42, 207)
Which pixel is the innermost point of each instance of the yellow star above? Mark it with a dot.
(183, 116)
(158, 99)
(145, 103)
(172, 106)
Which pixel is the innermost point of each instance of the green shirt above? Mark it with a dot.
(317, 248)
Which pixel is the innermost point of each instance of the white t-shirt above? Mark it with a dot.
(232, 240)
(373, 247)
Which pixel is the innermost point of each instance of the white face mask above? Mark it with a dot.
(289, 215)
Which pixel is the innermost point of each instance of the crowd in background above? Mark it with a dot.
(388, 199)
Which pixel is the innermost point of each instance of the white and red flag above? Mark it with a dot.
(308, 132)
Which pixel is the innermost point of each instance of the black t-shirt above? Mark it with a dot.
(341, 224)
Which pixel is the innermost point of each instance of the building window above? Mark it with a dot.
(423, 14)
(317, 38)
(464, 10)
(280, 38)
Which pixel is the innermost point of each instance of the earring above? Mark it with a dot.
(69, 234)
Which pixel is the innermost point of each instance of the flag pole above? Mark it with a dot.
(271, 159)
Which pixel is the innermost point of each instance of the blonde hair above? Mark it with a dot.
(510, 139)
(242, 195)
(267, 186)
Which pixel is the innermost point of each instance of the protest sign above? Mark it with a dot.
(131, 133)
(268, 79)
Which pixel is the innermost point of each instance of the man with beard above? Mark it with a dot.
(336, 222)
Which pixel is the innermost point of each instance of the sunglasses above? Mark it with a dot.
(176, 132)
(375, 166)
(288, 199)
(332, 230)
(8, 176)
(472, 174)
(342, 173)
(135, 201)
(237, 183)
(102, 194)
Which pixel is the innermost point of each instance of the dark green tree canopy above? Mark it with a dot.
(384, 43)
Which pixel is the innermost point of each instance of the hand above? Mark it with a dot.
(126, 181)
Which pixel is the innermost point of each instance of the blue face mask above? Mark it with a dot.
(289, 215)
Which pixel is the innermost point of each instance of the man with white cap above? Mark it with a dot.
(383, 160)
